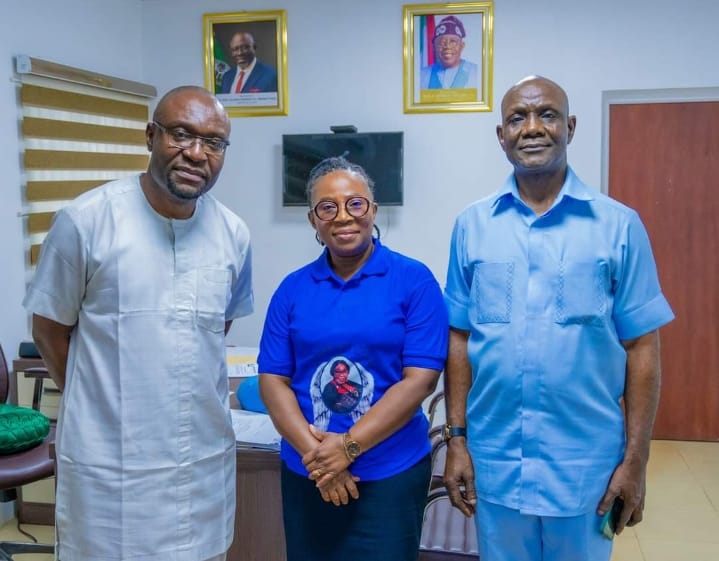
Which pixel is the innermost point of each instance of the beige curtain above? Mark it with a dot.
(74, 137)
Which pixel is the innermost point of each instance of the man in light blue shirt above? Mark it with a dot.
(553, 369)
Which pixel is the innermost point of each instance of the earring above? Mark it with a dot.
(319, 241)
(377, 230)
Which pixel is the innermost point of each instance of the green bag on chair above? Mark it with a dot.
(21, 428)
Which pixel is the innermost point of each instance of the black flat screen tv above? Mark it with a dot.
(379, 153)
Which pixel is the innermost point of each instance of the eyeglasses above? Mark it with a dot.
(356, 207)
(180, 138)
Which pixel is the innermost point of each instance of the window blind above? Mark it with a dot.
(75, 136)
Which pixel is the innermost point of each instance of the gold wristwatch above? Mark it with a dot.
(352, 447)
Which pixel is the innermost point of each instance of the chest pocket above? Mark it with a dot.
(213, 287)
(582, 292)
(491, 292)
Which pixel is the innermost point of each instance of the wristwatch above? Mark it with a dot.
(450, 432)
(352, 447)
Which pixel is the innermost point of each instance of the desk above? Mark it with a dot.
(259, 533)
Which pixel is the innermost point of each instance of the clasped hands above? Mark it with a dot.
(327, 465)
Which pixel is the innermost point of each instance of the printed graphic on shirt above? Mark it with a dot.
(340, 387)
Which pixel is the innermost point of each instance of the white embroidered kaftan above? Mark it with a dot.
(145, 446)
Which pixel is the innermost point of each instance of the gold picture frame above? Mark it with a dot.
(448, 82)
(229, 40)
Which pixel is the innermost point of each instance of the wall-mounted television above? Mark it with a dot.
(379, 153)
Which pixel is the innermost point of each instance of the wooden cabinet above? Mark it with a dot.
(259, 532)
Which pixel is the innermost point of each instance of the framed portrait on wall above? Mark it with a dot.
(246, 61)
(447, 57)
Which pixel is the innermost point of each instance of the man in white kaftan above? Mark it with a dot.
(141, 278)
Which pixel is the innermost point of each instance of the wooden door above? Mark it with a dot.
(664, 162)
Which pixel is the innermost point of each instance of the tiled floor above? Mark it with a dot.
(681, 515)
(43, 534)
(681, 518)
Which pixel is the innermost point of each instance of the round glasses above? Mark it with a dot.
(356, 207)
(180, 138)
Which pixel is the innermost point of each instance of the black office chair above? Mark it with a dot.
(24, 467)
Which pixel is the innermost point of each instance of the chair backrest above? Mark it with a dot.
(4, 377)
(433, 406)
(445, 529)
(446, 532)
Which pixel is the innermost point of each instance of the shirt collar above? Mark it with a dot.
(377, 264)
(573, 187)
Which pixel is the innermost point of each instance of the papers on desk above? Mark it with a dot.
(254, 430)
(241, 361)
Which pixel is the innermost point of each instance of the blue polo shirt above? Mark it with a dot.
(388, 316)
(547, 301)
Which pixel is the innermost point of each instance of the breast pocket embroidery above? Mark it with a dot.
(492, 292)
(581, 292)
(212, 292)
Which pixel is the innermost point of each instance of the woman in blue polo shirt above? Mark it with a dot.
(352, 345)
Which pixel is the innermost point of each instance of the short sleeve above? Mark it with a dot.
(639, 305)
(457, 291)
(58, 285)
(276, 353)
(242, 300)
(427, 331)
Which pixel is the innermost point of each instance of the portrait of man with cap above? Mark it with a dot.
(450, 70)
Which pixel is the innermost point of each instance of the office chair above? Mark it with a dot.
(24, 467)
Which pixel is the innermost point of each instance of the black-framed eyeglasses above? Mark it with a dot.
(180, 138)
(356, 207)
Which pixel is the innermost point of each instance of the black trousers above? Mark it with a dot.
(384, 524)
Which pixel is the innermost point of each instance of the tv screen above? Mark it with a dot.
(379, 153)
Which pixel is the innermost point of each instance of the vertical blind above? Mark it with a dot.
(74, 137)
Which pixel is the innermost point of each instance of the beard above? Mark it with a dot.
(184, 194)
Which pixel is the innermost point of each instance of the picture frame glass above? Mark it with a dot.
(448, 57)
(245, 62)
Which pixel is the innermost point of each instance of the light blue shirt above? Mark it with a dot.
(547, 301)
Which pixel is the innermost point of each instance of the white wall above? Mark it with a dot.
(345, 67)
(101, 36)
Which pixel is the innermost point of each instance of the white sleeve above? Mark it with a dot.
(57, 288)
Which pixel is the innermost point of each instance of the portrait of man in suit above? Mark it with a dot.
(249, 75)
(245, 61)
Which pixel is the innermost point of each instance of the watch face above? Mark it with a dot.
(353, 448)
